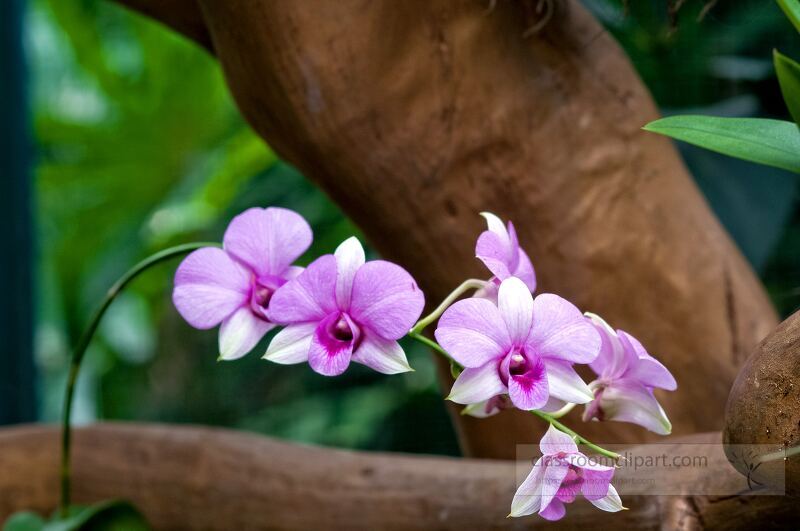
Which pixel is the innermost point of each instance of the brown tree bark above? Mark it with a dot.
(764, 407)
(191, 478)
(416, 115)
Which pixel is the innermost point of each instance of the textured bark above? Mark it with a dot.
(764, 406)
(416, 115)
(200, 478)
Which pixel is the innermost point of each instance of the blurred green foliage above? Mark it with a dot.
(140, 146)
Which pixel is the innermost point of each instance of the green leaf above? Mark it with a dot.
(789, 77)
(114, 515)
(24, 521)
(792, 10)
(770, 142)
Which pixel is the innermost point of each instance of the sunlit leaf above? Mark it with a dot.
(792, 10)
(789, 77)
(771, 142)
(24, 521)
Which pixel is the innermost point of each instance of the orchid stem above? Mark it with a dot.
(563, 411)
(578, 438)
(432, 344)
(79, 352)
(465, 286)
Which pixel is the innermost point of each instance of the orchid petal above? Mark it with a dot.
(528, 497)
(612, 361)
(565, 383)
(555, 441)
(349, 258)
(560, 331)
(309, 297)
(611, 502)
(525, 271)
(328, 355)
(240, 332)
(473, 332)
(649, 371)
(494, 252)
(477, 384)
(555, 510)
(385, 299)
(495, 225)
(629, 401)
(382, 355)
(596, 481)
(209, 286)
(529, 390)
(515, 303)
(267, 239)
(555, 471)
(291, 345)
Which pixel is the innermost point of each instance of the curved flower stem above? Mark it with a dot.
(563, 411)
(578, 438)
(80, 350)
(432, 344)
(465, 286)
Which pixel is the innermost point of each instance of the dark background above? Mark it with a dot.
(119, 138)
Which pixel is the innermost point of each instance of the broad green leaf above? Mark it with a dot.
(770, 142)
(792, 10)
(24, 521)
(114, 515)
(789, 77)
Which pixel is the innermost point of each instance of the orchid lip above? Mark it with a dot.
(261, 292)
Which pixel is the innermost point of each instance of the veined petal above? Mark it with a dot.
(525, 271)
(555, 471)
(529, 390)
(309, 297)
(291, 345)
(528, 497)
(494, 252)
(477, 384)
(647, 370)
(612, 361)
(560, 331)
(473, 332)
(383, 355)
(629, 401)
(596, 481)
(267, 239)
(385, 299)
(328, 355)
(209, 286)
(241, 332)
(611, 502)
(555, 441)
(555, 510)
(349, 257)
(515, 303)
(565, 383)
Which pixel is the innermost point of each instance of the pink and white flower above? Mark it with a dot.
(559, 476)
(234, 285)
(498, 248)
(627, 375)
(523, 347)
(343, 309)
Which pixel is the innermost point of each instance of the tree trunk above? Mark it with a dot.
(200, 478)
(417, 115)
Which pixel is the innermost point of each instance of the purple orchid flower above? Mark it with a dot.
(627, 375)
(559, 476)
(498, 248)
(522, 346)
(234, 285)
(341, 309)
